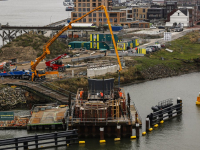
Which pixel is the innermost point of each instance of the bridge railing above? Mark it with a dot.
(69, 137)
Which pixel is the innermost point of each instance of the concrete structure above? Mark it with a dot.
(92, 72)
(180, 16)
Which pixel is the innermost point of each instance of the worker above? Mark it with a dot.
(101, 94)
(81, 94)
(120, 93)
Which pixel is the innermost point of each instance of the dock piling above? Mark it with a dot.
(147, 124)
(16, 143)
(119, 131)
(55, 137)
(101, 134)
(36, 141)
(137, 130)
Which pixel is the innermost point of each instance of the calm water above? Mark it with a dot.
(180, 133)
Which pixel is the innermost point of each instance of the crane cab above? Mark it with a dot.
(39, 74)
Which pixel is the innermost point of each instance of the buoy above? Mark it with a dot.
(81, 142)
(133, 137)
(143, 133)
(150, 129)
(162, 121)
(156, 125)
(197, 103)
(102, 141)
(117, 139)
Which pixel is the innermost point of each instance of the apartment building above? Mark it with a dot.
(181, 2)
(81, 7)
(139, 13)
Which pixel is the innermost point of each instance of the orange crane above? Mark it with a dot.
(46, 51)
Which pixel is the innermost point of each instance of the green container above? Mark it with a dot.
(75, 44)
(87, 45)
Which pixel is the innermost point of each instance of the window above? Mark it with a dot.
(74, 14)
(100, 14)
(115, 19)
(99, 4)
(88, 4)
(88, 9)
(79, 15)
(83, 0)
(143, 10)
(93, 4)
(143, 16)
(111, 20)
(113, 14)
(104, 20)
(94, 19)
(79, 4)
(94, 14)
(88, 0)
(84, 9)
(100, 20)
(79, 0)
(134, 10)
(83, 5)
(90, 20)
(79, 9)
(90, 15)
(104, 15)
(84, 19)
(140, 16)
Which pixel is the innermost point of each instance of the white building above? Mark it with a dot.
(129, 15)
(180, 16)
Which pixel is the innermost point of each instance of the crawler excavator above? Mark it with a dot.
(40, 74)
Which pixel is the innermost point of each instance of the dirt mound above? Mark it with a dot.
(21, 53)
(30, 46)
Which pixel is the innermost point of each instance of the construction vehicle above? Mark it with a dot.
(46, 50)
(4, 66)
(56, 64)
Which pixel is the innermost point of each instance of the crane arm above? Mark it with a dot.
(60, 56)
(46, 50)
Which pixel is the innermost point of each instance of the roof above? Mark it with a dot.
(184, 11)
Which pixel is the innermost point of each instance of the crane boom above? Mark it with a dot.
(46, 50)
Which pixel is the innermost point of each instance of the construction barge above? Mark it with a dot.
(100, 109)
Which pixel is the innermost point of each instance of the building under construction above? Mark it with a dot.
(100, 109)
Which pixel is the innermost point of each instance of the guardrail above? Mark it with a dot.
(69, 137)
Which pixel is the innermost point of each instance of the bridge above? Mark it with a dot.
(44, 91)
(11, 32)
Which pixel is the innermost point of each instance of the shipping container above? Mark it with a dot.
(117, 28)
(141, 50)
(76, 44)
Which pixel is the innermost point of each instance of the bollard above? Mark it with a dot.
(156, 125)
(81, 142)
(137, 130)
(143, 133)
(162, 121)
(147, 124)
(25, 145)
(133, 137)
(55, 138)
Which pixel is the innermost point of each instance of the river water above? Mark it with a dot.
(31, 12)
(181, 133)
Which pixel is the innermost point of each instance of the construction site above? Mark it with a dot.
(96, 110)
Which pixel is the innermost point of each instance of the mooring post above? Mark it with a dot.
(179, 101)
(16, 143)
(147, 124)
(136, 117)
(160, 115)
(55, 137)
(36, 141)
(25, 145)
(101, 133)
(118, 131)
(137, 130)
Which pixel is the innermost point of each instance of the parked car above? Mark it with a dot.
(178, 29)
(148, 50)
(125, 26)
(153, 49)
(161, 27)
(152, 27)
